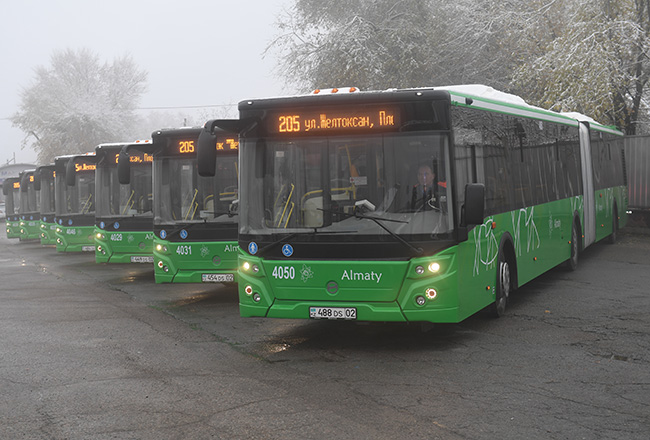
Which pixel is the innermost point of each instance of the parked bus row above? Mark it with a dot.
(401, 205)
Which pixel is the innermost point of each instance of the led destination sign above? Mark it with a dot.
(327, 120)
(78, 167)
(136, 158)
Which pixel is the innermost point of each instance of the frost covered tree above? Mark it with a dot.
(589, 56)
(375, 44)
(78, 102)
(597, 64)
(370, 44)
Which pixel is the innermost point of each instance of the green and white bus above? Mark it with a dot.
(124, 214)
(11, 191)
(415, 205)
(30, 207)
(44, 185)
(75, 202)
(195, 235)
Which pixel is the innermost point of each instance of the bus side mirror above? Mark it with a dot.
(206, 155)
(5, 187)
(24, 181)
(474, 204)
(70, 173)
(37, 181)
(124, 168)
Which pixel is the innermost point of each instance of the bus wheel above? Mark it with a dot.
(613, 237)
(503, 287)
(572, 262)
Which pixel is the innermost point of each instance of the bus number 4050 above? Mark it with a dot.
(284, 273)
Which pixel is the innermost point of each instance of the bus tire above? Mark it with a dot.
(572, 262)
(503, 285)
(614, 235)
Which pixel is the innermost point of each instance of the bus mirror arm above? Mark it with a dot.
(473, 211)
(206, 154)
(70, 172)
(124, 167)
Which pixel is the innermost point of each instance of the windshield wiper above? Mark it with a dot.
(378, 221)
(286, 237)
(124, 217)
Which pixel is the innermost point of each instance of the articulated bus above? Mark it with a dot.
(75, 202)
(415, 205)
(124, 213)
(30, 207)
(195, 232)
(44, 185)
(11, 191)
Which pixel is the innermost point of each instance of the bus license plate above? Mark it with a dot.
(87, 248)
(218, 277)
(332, 313)
(142, 259)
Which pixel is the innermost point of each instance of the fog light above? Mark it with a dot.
(165, 269)
(257, 298)
(419, 270)
(99, 248)
(434, 267)
(160, 264)
(248, 290)
(431, 293)
(420, 300)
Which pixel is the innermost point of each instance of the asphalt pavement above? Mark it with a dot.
(97, 351)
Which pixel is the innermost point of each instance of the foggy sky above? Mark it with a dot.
(196, 52)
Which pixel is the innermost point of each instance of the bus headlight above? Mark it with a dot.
(161, 248)
(419, 270)
(100, 236)
(434, 267)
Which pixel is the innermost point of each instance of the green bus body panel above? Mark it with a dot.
(13, 229)
(188, 261)
(606, 200)
(75, 238)
(119, 247)
(537, 236)
(30, 229)
(48, 233)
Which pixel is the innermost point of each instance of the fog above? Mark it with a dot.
(202, 56)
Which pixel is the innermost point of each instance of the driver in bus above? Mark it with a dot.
(424, 195)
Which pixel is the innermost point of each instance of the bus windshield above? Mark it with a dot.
(47, 193)
(30, 200)
(182, 196)
(117, 200)
(77, 199)
(370, 185)
(12, 203)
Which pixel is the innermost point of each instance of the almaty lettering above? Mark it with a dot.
(350, 275)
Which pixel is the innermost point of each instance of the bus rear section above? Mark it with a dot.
(405, 205)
